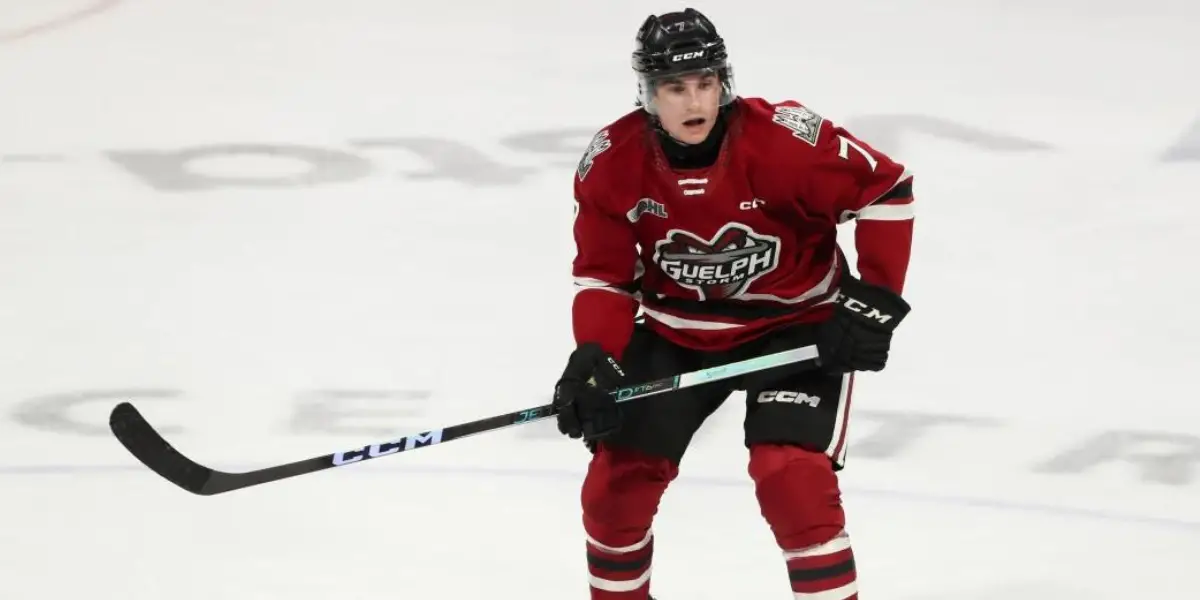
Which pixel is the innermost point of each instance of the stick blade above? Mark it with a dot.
(145, 444)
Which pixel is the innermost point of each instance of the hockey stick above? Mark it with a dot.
(149, 447)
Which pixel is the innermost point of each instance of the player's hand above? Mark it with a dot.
(858, 337)
(585, 408)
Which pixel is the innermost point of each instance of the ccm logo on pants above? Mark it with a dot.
(790, 397)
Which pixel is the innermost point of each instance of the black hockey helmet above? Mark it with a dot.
(677, 43)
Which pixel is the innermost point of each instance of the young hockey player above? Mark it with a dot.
(716, 215)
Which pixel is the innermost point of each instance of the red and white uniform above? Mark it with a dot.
(720, 255)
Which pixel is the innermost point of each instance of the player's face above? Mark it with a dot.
(688, 106)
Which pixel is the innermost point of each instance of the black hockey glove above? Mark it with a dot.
(859, 334)
(585, 408)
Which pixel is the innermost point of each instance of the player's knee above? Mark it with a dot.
(798, 494)
(621, 493)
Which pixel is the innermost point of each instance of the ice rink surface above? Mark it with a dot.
(286, 228)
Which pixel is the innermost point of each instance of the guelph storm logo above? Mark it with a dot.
(722, 267)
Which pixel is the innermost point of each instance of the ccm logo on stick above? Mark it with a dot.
(428, 438)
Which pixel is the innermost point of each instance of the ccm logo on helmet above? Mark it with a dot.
(687, 56)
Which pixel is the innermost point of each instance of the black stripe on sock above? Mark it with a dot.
(618, 565)
(817, 574)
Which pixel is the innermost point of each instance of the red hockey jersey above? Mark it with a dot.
(718, 256)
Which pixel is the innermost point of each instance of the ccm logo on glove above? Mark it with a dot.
(863, 309)
(858, 336)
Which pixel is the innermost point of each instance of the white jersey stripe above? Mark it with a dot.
(681, 323)
(887, 212)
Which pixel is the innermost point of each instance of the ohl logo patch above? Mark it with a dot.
(721, 267)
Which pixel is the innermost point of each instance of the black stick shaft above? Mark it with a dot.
(148, 446)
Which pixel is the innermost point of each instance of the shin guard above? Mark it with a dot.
(620, 499)
(800, 499)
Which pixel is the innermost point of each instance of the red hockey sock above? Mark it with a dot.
(800, 499)
(620, 498)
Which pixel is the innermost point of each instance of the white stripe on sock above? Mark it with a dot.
(609, 585)
(621, 549)
(840, 542)
(841, 593)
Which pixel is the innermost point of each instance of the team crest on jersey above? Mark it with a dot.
(804, 123)
(721, 267)
(599, 144)
(646, 206)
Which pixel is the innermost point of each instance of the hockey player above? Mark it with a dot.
(716, 215)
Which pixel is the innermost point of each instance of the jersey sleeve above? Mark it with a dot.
(605, 272)
(846, 179)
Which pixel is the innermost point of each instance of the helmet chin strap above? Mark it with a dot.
(717, 129)
(665, 135)
(683, 155)
(663, 131)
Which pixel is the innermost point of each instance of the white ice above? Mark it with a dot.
(1053, 288)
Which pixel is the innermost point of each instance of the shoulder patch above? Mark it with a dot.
(598, 145)
(646, 206)
(804, 123)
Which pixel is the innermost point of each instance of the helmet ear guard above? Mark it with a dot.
(676, 44)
